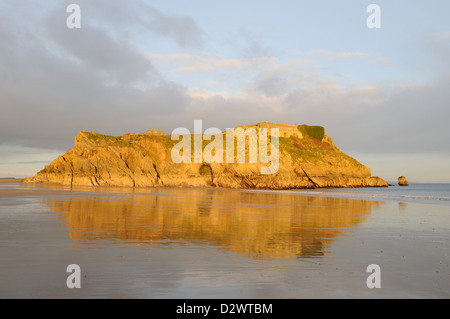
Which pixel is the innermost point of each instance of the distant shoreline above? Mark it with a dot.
(10, 179)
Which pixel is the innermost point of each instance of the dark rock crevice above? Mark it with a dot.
(309, 178)
(158, 177)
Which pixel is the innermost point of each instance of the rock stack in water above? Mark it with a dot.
(402, 181)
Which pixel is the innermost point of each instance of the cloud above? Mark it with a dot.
(197, 63)
(182, 28)
(173, 57)
(138, 18)
(389, 118)
(59, 81)
(26, 163)
(90, 47)
(375, 58)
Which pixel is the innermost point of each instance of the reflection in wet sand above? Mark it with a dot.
(402, 206)
(260, 225)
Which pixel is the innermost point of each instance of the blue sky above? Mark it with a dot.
(380, 93)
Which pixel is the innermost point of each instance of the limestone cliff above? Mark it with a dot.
(144, 160)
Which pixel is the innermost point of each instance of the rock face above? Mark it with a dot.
(144, 160)
(402, 181)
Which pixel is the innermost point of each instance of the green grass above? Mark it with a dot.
(318, 132)
(304, 149)
(166, 140)
(287, 145)
(108, 139)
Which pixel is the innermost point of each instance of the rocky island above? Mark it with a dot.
(308, 158)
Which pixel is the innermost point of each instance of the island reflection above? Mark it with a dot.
(260, 225)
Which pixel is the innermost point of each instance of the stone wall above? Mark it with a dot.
(285, 130)
(155, 133)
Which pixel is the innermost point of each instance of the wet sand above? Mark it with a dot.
(216, 243)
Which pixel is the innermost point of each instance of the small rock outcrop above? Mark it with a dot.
(402, 181)
(144, 160)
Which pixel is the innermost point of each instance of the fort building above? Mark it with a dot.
(285, 130)
(155, 133)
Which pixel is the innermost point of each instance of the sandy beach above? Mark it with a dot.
(186, 150)
(217, 243)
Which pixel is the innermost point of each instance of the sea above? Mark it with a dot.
(424, 193)
(207, 243)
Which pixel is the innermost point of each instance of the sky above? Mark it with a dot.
(382, 94)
